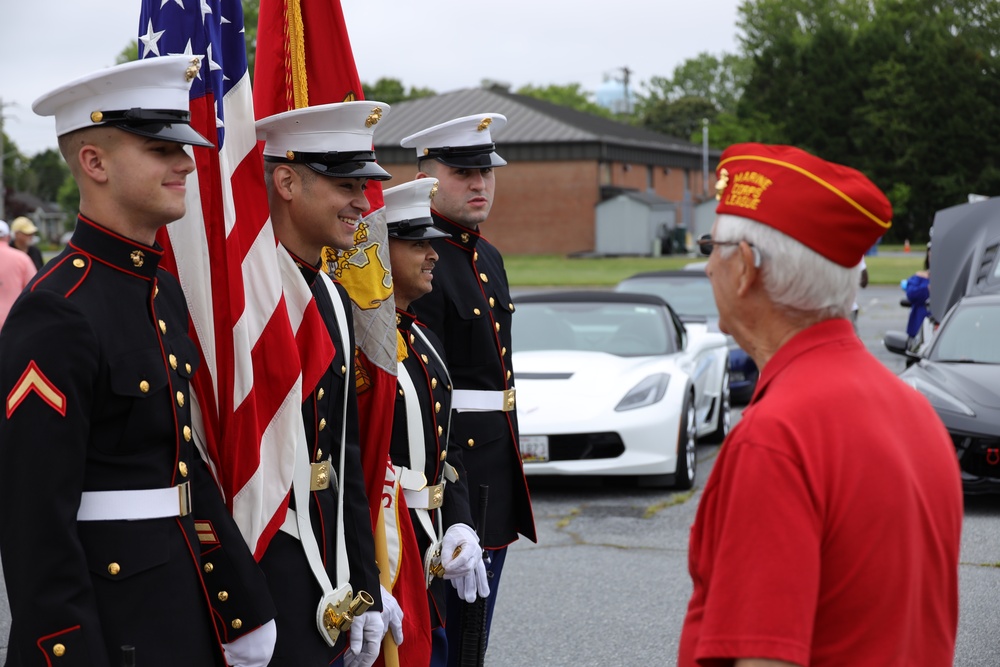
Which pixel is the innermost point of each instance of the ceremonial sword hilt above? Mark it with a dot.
(337, 622)
(437, 568)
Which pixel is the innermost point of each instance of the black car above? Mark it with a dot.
(689, 293)
(960, 375)
(959, 370)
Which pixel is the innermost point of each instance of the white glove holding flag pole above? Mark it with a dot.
(367, 631)
(462, 559)
(392, 616)
(253, 649)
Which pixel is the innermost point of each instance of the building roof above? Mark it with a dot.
(536, 130)
(649, 199)
(23, 203)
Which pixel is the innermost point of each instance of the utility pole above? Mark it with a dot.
(625, 108)
(704, 155)
(626, 73)
(3, 190)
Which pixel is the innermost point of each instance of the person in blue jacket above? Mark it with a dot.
(917, 288)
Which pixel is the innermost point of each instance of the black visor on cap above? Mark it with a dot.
(413, 230)
(352, 164)
(165, 124)
(180, 133)
(369, 170)
(482, 156)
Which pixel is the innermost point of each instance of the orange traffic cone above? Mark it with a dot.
(906, 245)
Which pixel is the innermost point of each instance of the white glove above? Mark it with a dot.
(392, 616)
(254, 649)
(460, 551)
(367, 631)
(474, 582)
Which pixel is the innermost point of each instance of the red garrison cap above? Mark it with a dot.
(830, 208)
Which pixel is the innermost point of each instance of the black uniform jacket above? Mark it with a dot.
(94, 369)
(430, 380)
(470, 310)
(295, 591)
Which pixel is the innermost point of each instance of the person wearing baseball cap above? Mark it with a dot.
(16, 271)
(113, 532)
(317, 163)
(471, 311)
(836, 501)
(22, 237)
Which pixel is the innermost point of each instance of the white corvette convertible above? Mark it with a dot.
(612, 383)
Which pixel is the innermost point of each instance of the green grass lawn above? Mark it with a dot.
(887, 268)
(557, 270)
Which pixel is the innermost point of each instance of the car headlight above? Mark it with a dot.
(939, 399)
(647, 392)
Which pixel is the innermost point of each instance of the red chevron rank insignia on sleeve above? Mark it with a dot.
(33, 380)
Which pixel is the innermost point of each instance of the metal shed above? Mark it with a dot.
(634, 223)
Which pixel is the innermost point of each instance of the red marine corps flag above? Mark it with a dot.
(304, 58)
(248, 389)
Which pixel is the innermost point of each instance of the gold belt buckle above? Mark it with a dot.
(435, 496)
(319, 478)
(508, 400)
(184, 497)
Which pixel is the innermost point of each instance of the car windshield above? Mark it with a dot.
(623, 329)
(969, 336)
(687, 296)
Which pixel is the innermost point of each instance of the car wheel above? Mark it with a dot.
(724, 422)
(687, 455)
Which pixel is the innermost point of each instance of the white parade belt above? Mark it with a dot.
(320, 478)
(419, 495)
(475, 400)
(134, 505)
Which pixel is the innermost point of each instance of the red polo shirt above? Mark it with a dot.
(828, 532)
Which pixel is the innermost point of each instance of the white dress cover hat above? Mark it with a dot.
(145, 97)
(408, 210)
(462, 143)
(331, 139)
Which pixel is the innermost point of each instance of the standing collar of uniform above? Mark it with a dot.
(404, 319)
(309, 272)
(836, 331)
(461, 236)
(114, 250)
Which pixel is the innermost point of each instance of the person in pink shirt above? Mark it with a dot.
(16, 271)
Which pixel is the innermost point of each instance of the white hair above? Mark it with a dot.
(795, 277)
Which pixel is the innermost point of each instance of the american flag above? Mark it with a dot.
(250, 385)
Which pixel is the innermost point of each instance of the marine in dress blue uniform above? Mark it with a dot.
(112, 529)
(432, 474)
(331, 143)
(470, 310)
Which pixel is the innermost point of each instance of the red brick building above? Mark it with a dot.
(561, 164)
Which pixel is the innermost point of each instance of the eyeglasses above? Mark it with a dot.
(706, 243)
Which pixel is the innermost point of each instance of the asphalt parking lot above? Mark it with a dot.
(607, 583)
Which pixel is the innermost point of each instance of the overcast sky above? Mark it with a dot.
(438, 44)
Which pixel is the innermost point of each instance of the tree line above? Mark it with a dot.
(907, 91)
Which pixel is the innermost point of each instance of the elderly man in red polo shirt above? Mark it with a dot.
(828, 532)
